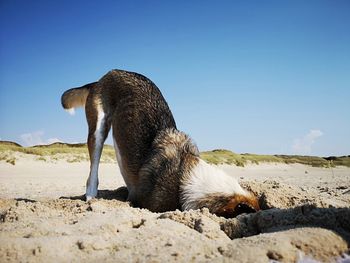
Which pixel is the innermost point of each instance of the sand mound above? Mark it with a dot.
(293, 224)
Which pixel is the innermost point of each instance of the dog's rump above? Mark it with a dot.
(132, 105)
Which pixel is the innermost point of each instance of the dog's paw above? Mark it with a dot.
(89, 197)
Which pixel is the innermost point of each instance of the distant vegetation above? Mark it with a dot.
(53, 152)
(228, 157)
(79, 152)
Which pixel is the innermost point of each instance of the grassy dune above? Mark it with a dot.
(79, 152)
(228, 157)
(53, 152)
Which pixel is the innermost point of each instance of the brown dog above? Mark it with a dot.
(160, 165)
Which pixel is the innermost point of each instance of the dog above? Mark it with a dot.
(160, 165)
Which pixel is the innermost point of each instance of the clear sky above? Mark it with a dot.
(267, 77)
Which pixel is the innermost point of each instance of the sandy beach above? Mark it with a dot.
(305, 216)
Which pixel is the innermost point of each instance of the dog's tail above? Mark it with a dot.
(76, 97)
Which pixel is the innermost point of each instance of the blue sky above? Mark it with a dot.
(267, 77)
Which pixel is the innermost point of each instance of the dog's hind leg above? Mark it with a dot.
(99, 127)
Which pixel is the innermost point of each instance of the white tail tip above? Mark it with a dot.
(71, 111)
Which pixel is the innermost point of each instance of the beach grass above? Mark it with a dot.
(79, 152)
(71, 152)
(231, 158)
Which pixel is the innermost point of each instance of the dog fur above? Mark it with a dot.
(160, 164)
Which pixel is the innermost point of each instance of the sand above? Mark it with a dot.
(305, 218)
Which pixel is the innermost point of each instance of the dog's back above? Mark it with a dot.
(138, 112)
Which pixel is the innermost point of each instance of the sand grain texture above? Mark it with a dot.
(44, 220)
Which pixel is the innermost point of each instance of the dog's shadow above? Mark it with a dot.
(120, 194)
